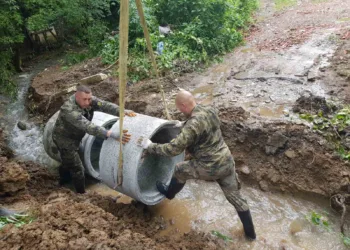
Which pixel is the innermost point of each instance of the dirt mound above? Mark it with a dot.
(67, 221)
(312, 105)
(287, 157)
(5, 151)
(52, 87)
(13, 178)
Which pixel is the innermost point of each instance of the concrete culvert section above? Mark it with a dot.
(139, 173)
(90, 146)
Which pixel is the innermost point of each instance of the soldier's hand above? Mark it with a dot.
(130, 113)
(126, 137)
(179, 124)
(143, 142)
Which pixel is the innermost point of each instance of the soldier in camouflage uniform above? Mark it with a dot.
(74, 120)
(212, 160)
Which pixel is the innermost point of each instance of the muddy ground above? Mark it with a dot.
(64, 220)
(303, 50)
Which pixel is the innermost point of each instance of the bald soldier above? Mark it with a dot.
(74, 120)
(212, 159)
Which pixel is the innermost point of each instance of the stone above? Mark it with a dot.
(245, 170)
(275, 142)
(93, 79)
(21, 125)
(290, 154)
(285, 112)
(312, 75)
(264, 186)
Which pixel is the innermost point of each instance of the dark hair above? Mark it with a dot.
(83, 88)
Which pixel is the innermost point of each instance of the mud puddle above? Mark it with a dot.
(281, 220)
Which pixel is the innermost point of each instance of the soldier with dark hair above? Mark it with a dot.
(212, 160)
(74, 120)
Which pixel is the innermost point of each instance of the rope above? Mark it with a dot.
(123, 62)
(153, 59)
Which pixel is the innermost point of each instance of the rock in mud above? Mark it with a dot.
(13, 178)
(290, 154)
(245, 170)
(93, 79)
(21, 125)
(275, 142)
(312, 105)
(264, 186)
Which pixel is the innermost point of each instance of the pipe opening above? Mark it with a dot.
(155, 167)
(96, 147)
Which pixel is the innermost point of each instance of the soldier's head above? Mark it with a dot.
(185, 102)
(83, 96)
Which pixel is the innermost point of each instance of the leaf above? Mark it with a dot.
(220, 235)
(346, 241)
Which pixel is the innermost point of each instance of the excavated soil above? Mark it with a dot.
(51, 87)
(65, 220)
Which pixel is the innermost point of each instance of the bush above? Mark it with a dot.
(10, 36)
(202, 31)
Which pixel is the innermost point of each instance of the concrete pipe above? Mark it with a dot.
(49, 145)
(140, 174)
(89, 146)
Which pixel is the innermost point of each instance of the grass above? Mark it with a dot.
(16, 219)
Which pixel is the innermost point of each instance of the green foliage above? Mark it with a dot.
(201, 31)
(332, 127)
(346, 240)
(110, 50)
(72, 58)
(318, 220)
(95, 35)
(221, 236)
(10, 36)
(73, 20)
(16, 219)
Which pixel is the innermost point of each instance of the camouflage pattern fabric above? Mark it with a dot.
(212, 159)
(71, 163)
(70, 127)
(226, 177)
(73, 122)
(201, 136)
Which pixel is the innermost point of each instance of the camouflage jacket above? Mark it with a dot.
(201, 136)
(73, 121)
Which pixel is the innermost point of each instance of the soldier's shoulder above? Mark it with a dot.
(69, 105)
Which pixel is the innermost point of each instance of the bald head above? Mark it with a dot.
(185, 102)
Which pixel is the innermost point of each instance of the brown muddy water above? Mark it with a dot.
(282, 221)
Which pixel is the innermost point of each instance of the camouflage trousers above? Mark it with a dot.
(71, 162)
(225, 176)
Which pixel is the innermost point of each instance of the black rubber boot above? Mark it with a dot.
(79, 186)
(64, 176)
(247, 221)
(170, 191)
